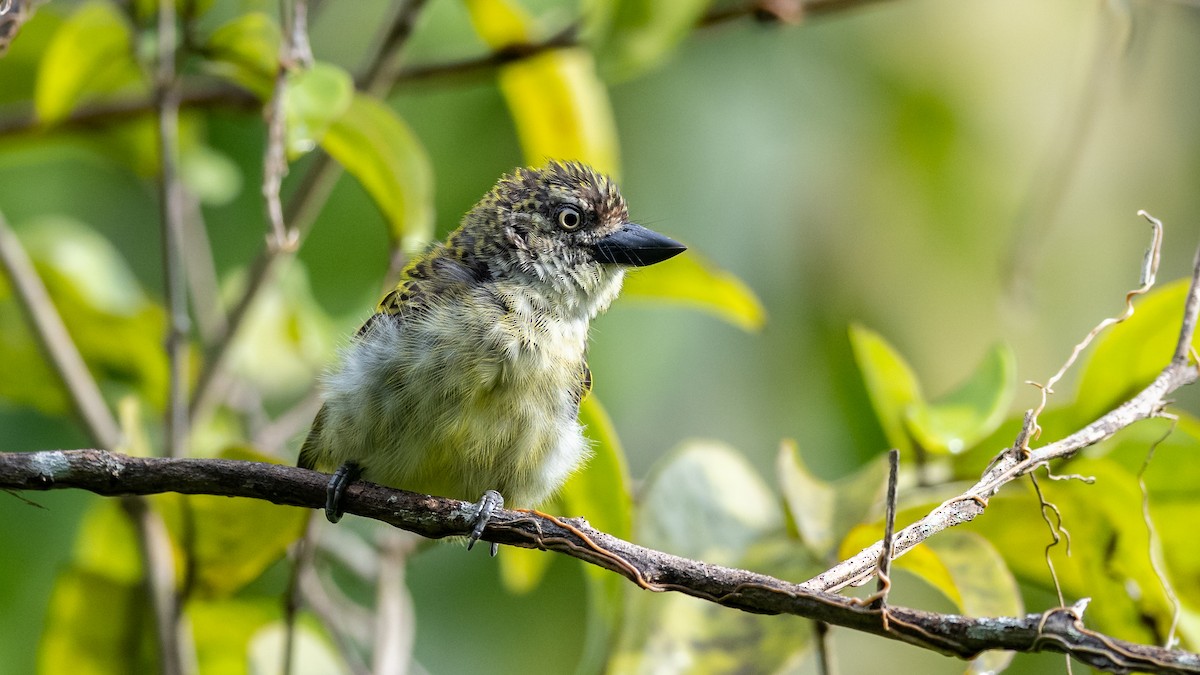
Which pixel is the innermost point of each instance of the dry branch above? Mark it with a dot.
(1059, 630)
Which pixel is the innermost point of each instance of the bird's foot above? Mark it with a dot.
(341, 479)
(484, 509)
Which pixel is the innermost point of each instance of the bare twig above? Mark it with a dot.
(347, 629)
(202, 274)
(224, 95)
(1058, 533)
(302, 557)
(1154, 551)
(300, 214)
(155, 549)
(380, 74)
(884, 566)
(435, 517)
(56, 343)
(1017, 462)
(395, 620)
(171, 204)
(294, 52)
(1148, 276)
(826, 665)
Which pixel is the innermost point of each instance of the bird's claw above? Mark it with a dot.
(484, 509)
(341, 479)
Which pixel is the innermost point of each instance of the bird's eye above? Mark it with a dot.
(569, 218)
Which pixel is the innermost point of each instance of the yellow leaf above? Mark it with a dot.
(561, 109)
(500, 24)
(91, 53)
(691, 280)
(557, 102)
(375, 146)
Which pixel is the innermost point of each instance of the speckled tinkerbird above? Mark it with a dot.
(467, 380)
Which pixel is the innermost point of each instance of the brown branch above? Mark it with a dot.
(56, 343)
(1059, 630)
(225, 95)
(300, 215)
(171, 200)
(154, 545)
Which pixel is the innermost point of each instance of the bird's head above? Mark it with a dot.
(564, 227)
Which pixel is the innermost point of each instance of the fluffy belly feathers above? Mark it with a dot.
(456, 414)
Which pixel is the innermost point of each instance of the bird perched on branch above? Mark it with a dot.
(467, 379)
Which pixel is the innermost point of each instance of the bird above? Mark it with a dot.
(468, 377)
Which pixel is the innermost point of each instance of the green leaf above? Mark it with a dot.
(98, 619)
(691, 280)
(313, 654)
(212, 177)
(1109, 560)
(145, 10)
(984, 585)
(377, 148)
(231, 542)
(106, 544)
(287, 341)
(224, 629)
(824, 512)
(1171, 479)
(91, 54)
(601, 493)
(958, 421)
(245, 50)
(704, 501)
(558, 104)
(522, 569)
(1129, 355)
(640, 34)
(97, 625)
(117, 329)
(673, 633)
(891, 384)
(313, 99)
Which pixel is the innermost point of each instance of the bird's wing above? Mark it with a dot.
(310, 452)
(437, 278)
(585, 383)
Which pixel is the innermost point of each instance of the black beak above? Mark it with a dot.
(637, 246)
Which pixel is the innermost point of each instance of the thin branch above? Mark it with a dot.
(395, 619)
(347, 628)
(294, 52)
(1148, 276)
(154, 545)
(1058, 630)
(301, 213)
(826, 663)
(203, 286)
(198, 95)
(55, 341)
(1018, 461)
(171, 201)
(381, 72)
(1153, 544)
(154, 549)
(884, 566)
(225, 95)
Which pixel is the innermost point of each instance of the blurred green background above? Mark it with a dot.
(948, 173)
